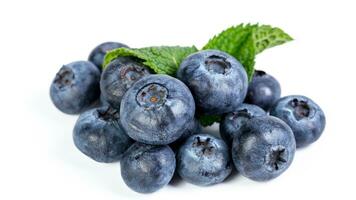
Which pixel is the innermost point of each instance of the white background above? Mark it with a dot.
(38, 158)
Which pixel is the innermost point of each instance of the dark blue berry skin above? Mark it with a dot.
(303, 115)
(217, 80)
(98, 53)
(156, 109)
(119, 76)
(193, 127)
(264, 149)
(204, 160)
(75, 87)
(263, 90)
(103, 101)
(147, 168)
(99, 135)
(231, 123)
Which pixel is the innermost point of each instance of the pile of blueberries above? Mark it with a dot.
(148, 121)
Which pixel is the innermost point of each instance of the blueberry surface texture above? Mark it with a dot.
(147, 168)
(264, 149)
(303, 115)
(193, 127)
(263, 90)
(99, 135)
(98, 53)
(232, 122)
(156, 109)
(217, 80)
(204, 160)
(119, 76)
(75, 87)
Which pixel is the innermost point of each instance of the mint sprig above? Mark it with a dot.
(162, 59)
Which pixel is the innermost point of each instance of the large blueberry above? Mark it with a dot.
(156, 109)
(232, 122)
(75, 87)
(147, 168)
(264, 149)
(119, 76)
(217, 80)
(263, 90)
(98, 53)
(99, 135)
(204, 160)
(303, 115)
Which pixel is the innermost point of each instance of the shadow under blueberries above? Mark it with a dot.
(233, 176)
(176, 180)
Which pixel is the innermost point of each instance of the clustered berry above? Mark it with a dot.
(149, 122)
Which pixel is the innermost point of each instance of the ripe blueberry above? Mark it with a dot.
(156, 109)
(263, 90)
(99, 135)
(217, 80)
(75, 87)
(303, 115)
(204, 160)
(264, 149)
(147, 168)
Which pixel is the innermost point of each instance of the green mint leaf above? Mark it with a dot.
(161, 59)
(208, 120)
(244, 42)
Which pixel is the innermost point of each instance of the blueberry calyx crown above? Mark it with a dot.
(206, 147)
(217, 64)
(64, 77)
(301, 108)
(108, 114)
(131, 74)
(152, 96)
(276, 158)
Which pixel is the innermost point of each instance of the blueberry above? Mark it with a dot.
(75, 87)
(264, 149)
(193, 127)
(156, 109)
(217, 80)
(119, 76)
(147, 168)
(263, 90)
(98, 53)
(99, 135)
(204, 160)
(303, 115)
(231, 123)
